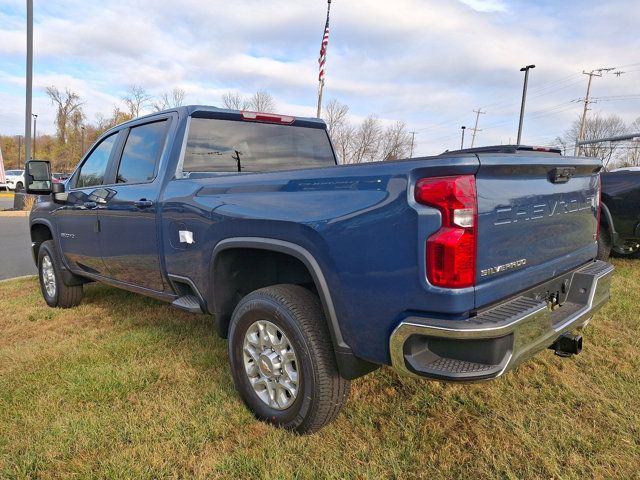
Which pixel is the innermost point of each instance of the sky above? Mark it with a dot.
(429, 63)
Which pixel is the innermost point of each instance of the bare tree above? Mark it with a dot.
(233, 101)
(598, 126)
(631, 157)
(395, 142)
(366, 141)
(68, 105)
(136, 99)
(336, 116)
(261, 101)
(172, 99)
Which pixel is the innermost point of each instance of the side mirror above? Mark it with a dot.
(37, 176)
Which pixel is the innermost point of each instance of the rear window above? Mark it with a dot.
(238, 146)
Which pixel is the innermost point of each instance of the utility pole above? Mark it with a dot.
(475, 128)
(35, 119)
(27, 116)
(82, 141)
(524, 98)
(19, 151)
(583, 121)
(413, 137)
(463, 128)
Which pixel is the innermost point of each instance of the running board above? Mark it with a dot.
(189, 303)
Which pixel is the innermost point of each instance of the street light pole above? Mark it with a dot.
(19, 151)
(82, 141)
(463, 128)
(35, 118)
(27, 117)
(524, 98)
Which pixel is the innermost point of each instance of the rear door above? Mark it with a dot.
(128, 214)
(537, 218)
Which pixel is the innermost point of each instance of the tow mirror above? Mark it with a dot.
(37, 177)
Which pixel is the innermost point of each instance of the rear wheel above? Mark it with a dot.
(19, 187)
(604, 243)
(55, 292)
(282, 359)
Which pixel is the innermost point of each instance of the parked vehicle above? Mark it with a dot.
(59, 177)
(15, 179)
(620, 219)
(456, 267)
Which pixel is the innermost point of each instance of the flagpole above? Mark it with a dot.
(323, 60)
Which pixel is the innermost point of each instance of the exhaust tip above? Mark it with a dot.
(567, 345)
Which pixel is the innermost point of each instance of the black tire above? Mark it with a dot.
(604, 243)
(62, 296)
(298, 314)
(19, 187)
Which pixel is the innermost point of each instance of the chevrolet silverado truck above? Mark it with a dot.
(620, 219)
(456, 267)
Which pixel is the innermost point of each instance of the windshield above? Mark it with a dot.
(14, 172)
(238, 146)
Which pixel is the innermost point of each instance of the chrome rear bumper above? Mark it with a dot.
(498, 339)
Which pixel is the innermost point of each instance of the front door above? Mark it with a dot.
(128, 216)
(77, 218)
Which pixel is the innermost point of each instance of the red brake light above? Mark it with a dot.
(267, 117)
(451, 251)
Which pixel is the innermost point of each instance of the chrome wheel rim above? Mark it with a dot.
(271, 364)
(48, 276)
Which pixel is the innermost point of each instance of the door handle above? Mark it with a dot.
(90, 205)
(143, 203)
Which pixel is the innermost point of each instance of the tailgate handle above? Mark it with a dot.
(561, 174)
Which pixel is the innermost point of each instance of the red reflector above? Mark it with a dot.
(267, 117)
(451, 251)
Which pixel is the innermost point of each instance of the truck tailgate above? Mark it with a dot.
(537, 218)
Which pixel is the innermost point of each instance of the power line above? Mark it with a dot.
(593, 73)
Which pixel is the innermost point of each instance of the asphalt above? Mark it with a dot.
(6, 203)
(15, 247)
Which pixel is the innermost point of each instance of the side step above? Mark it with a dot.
(189, 303)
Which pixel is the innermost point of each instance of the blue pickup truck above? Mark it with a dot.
(455, 267)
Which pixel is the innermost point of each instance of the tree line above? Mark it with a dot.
(367, 140)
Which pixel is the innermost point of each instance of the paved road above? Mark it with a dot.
(6, 203)
(15, 247)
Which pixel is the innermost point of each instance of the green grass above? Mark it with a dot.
(126, 387)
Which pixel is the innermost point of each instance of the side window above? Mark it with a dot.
(93, 169)
(141, 153)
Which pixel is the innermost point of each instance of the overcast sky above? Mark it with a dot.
(428, 63)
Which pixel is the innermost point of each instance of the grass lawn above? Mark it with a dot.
(127, 387)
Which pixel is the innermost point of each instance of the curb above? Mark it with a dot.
(15, 213)
(23, 277)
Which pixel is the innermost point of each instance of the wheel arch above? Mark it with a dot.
(607, 219)
(223, 294)
(40, 231)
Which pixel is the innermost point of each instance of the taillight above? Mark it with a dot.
(599, 206)
(267, 117)
(451, 251)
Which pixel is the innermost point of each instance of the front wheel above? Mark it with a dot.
(53, 288)
(282, 359)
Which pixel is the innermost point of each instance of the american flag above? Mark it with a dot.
(323, 47)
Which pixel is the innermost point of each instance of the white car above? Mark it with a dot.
(15, 179)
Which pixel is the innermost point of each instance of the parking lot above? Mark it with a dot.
(15, 256)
